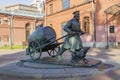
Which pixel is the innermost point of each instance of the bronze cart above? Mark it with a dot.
(43, 39)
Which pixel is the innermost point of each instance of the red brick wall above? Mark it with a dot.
(59, 16)
(19, 30)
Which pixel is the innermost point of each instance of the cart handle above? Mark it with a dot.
(71, 35)
(63, 37)
(49, 39)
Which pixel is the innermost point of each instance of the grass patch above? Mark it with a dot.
(13, 47)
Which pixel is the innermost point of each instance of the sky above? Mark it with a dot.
(13, 2)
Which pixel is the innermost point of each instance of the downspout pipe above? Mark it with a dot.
(107, 30)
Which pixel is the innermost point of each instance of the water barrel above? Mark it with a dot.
(43, 35)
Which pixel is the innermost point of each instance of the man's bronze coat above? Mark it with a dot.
(73, 41)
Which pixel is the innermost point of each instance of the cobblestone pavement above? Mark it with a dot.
(11, 55)
(107, 54)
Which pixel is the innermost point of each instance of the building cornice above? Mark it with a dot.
(49, 1)
(20, 5)
(19, 14)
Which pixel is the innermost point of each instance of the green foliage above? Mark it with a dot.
(13, 47)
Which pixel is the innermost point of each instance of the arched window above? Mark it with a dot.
(27, 27)
(86, 24)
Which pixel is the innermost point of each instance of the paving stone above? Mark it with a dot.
(9, 66)
(43, 66)
(57, 75)
(64, 73)
(79, 70)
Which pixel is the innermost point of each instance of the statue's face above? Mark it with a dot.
(77, 16)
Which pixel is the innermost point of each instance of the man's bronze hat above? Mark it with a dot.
(76, 12)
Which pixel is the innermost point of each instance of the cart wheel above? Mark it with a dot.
(53, 52)
(35, 50)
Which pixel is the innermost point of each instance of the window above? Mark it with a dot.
(27, 27)
(0, 39)
(8, 39)
(87, 0)
(86, 24)
(9, 20)
(0, 20)
(111, 29)
(62, 31)
(51, 8)
(65, 4)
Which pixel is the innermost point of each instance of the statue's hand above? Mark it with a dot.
(72, 33)
(84, 33)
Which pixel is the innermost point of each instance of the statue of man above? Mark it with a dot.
(72, 41)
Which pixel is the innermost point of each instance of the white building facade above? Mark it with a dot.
(39, 4)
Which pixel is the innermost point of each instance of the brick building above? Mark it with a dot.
(17, 22)
(99, 18)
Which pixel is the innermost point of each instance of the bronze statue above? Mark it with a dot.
(73, 41)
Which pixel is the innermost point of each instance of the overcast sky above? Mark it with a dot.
(13, 2)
